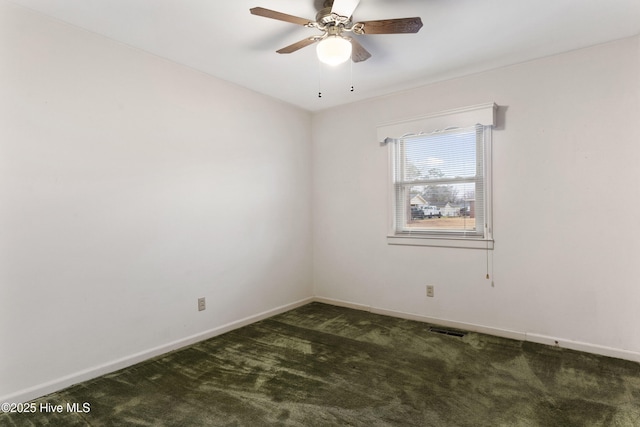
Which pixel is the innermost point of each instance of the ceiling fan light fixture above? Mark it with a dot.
(334, 50)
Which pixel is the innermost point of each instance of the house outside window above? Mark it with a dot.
(440, 178)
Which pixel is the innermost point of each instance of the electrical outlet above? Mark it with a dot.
(201, 304)
(430, 291)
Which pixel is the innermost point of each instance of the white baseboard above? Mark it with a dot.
(341, 303)
(504, 333)
(584, 347)
(112, 366)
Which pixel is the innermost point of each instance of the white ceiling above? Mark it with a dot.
(459, 37)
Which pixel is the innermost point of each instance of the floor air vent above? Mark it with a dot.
(446, 331)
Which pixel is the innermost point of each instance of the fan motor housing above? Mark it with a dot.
(325, 18)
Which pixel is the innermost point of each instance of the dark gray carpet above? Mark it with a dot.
(321, 365)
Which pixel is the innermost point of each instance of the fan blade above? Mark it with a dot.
(391, 26)
(344, 7)
(298, 45)
(358, 52)
(268, 13)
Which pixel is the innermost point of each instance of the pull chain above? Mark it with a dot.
(351, 71)
(351, 88)
(487, 252)
(319, 79)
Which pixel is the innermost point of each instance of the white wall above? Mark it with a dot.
(567, 150)
(129, 187)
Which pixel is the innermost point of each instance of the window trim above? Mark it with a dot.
(483, 114)
(441, 242)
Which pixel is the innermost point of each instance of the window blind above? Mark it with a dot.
(439, 182)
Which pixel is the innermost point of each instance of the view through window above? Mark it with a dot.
(439, 183)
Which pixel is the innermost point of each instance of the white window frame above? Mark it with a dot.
(391, 134)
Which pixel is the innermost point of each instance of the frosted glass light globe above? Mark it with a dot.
(334, 50)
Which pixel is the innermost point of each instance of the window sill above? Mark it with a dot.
(441, 242)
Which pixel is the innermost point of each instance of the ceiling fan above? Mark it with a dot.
(334, 20)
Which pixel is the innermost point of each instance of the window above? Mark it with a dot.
(441, 180)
